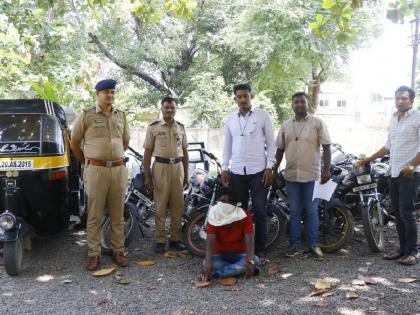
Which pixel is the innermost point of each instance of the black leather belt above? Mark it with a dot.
(168, 161)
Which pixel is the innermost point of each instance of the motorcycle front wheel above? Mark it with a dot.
(373, 227)
(195, 234)
(276, 226)
(336, 228)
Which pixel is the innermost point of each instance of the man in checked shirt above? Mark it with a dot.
(404, 147)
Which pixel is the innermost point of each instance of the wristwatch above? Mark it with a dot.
(250, 261)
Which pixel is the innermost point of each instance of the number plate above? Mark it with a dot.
(22, 164)
(364, 187)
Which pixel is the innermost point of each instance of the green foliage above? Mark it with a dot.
(46, 91)
(194, 50)
(208, 101)
(398, 10)
(337, 20)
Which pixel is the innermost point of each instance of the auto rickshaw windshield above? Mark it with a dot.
(30, 134)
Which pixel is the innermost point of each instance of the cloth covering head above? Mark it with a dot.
(226, 211)
(105, 84)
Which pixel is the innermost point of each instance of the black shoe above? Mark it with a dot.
(177, 245)
(293, 251)
(160, 248)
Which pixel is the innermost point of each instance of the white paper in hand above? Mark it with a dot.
(324, 191)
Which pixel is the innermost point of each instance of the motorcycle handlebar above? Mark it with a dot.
(209, 154)
(138, 155)
(214, 158)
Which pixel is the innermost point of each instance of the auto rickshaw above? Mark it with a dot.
(40, 184)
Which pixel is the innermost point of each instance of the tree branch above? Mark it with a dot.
(143, 76)
(138, 24)
(187, 56)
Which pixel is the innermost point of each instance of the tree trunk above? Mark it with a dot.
(314, 89)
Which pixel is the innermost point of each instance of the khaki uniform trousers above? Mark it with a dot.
(168, 190)
(105, 188)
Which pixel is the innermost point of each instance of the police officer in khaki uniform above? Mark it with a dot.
(105, 135)
(167, 142)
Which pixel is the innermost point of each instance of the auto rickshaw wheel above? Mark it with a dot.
(13, 256)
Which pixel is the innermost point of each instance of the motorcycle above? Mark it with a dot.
(359, 190)
(195, 234)
(336, 223)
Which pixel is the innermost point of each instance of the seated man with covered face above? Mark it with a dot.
(230, 239)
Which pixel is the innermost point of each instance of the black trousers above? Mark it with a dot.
(403, 191)
(244, 185)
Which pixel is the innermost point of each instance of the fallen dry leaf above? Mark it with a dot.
(367, 280)
(273, 270)
(352, 295)
(370, 281)
(67, 281)
(286, 275)
(123, 281)
(318, 292)
(358, 282)
(372, 309)
(146, 262)
(201, 284)
(322, 284)
(170, 254)
(250, 302)
(227, 281)
(103, 272)
(407, 280)
(183, 253)
(322, 303)
(327, 294)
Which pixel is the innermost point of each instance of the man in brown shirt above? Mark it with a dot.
(300, 138)
(166, 140)
(104, 132)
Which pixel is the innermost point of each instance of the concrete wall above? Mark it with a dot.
(358, 132)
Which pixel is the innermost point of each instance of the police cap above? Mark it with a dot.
(105, 84)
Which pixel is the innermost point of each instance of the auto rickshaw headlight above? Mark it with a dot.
(7, 221)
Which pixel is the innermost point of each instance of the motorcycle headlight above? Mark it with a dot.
(364, 179)
(7, 221)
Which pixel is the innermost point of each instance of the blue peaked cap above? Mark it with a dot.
(105, 84)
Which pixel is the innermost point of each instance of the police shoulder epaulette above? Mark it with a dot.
(154, 123)
(182, 125)
(89, 109)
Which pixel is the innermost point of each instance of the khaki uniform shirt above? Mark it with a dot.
(301, 141)
(166, 141)
(102, 136)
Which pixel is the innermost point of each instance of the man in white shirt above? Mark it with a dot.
(249, 150)
(403, 145)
